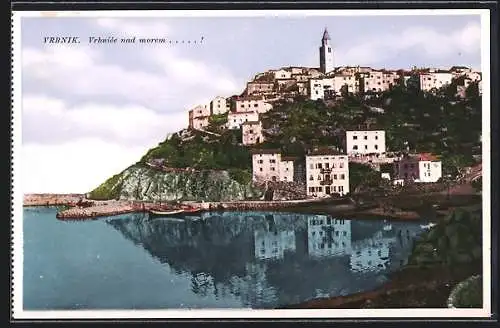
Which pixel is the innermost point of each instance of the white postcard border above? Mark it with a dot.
(17, 194)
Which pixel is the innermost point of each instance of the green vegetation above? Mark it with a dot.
(202, 151)
(110, 189)
(216, 123)
(421, 122)
(468, 294)
(363, 176)
(456, 239)
(241, 176)
(478, 184)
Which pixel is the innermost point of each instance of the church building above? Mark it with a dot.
(326, 54)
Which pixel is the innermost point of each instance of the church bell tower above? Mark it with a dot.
(326, 54)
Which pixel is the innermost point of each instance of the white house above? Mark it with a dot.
(252, 103)
(418, 168)
(198, 116)
(218, 106)
(318, 88)
(365, 142)
(435, 80)
(474, 76)
(269, 165)
(199, 123)
(282, 74)
(378, 80)
(252, 132)
(236, 119)
(328, 236)
(348, 80)
(327, 172)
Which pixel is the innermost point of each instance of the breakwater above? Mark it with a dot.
(110, 208)
(52, 199)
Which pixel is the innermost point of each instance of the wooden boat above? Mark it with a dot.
(165, 213)
(191, 210)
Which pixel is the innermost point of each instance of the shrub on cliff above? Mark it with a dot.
(241, 176)
(110, 189)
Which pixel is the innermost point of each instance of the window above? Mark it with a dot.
(256, 105)
(366, 137)
(311, 178)
(334, 177)
(344, 233)
(320, 166)
(320, 189)
(334, 188)
(355, 147)
(342, 177)
(260, 169)
(366, 147)
(329, 50)
(336, 233)
(327, 165)
(319, 177)
(311, 189)
(272, 161)
(242, 106)
(311, 166)
(341, 189)
(260, 161)
(376, 146)
(354, 137)
(341, 165)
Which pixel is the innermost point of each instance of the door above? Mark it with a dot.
(327, 190)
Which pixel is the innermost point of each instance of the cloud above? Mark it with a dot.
(90, 111)
(428, 42)
(92, 71)
(76, 166)
(129, 125)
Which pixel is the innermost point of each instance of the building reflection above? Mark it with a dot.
(268, 259)
(327, 236)
(272, 243)
(371, 254)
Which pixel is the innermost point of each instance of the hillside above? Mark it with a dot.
(413, 120)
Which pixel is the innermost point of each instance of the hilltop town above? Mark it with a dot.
(326, 171)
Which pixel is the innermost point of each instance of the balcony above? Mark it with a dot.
(325, 170)
(326, 182)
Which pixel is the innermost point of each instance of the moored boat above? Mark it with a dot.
(165, 213)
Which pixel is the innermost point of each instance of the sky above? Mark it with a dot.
(91, 110)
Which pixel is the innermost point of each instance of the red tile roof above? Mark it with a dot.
(427, 157)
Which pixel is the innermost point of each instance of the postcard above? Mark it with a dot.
(251, 164)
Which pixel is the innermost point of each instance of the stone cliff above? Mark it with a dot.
(149, 184)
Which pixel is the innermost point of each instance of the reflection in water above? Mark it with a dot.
(272, 259)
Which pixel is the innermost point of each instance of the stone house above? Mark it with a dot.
(327, 172)
(252, 133)
(236, 119)
(418, 168)
(269, 165)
